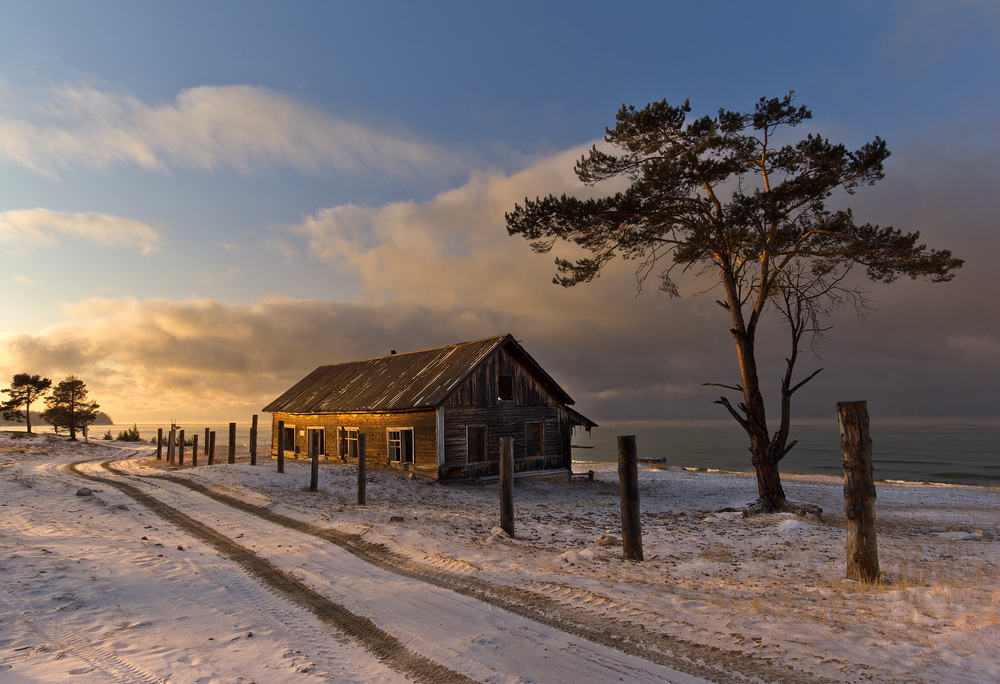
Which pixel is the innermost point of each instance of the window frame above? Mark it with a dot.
(505, 387)
(402, 454)
(484, 442)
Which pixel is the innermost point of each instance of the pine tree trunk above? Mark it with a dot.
(769, 489)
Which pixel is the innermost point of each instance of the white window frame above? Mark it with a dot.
(351, 444)
(401, 456)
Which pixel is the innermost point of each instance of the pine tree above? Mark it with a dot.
(68, 406)
(24, 390)
(718, 196)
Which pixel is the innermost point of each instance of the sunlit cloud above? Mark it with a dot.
(202, 357)
(445, 271)
(241, 127)
(21, 279)
(23, 229)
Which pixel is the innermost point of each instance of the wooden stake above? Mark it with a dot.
(314, 461)
(253, 440)
(859, 491)
(211, 448)
(194, 451)
(507, 485)
(362, 469)
(180, 448)
(281, 446)
(206, 442)
(232, 442)
(159, 444)
(628, 481)
(170, 446)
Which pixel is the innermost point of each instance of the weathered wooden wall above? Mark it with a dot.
(374, 425)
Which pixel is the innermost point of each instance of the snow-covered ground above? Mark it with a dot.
(99, 588)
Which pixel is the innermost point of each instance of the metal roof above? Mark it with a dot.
(420, 379)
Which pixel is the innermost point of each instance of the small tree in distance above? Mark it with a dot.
(718, 196)
(24, 390)
(68, 406)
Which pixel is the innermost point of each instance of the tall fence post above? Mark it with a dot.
(232, 442)
(362, 469)
(628, 482)
(170, 446)
(859, 491)
(180, 448)
(507, 485)
(159, 444)
(207, 436)
(194, 450)
(281, 446)
(253, 440)
(211, 448)
(314, 460)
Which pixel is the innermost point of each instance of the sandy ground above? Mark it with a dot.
(97, 588)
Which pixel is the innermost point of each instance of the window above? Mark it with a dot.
(349, 445)
(400, 444)
(505, 387)
(475, 439)
(290, 439)
(534, 435)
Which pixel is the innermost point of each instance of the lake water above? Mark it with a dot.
(938, 450)
(948, 451)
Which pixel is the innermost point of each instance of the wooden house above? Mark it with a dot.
(438, 412)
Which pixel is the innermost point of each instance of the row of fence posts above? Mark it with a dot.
(176, 441)
(859, 492)
(856, 448)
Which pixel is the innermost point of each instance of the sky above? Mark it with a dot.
(202, 202)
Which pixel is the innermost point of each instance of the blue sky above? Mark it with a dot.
(200, 202)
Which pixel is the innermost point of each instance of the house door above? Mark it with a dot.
(317, 440)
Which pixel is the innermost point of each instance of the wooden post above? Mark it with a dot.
(628, 482)
(362, 469)
(170, 446)
(314, 461)
(859, 491)
(211, 448)
(194, 451)
(507, 485)
(206, 442)
(232, 442)
(253, 440)
(180, 448)
(159, 444)
(281, 446)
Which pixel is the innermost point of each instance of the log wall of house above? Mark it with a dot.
(374, 426)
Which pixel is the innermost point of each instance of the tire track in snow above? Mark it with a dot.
(598, 627)
(387, 648)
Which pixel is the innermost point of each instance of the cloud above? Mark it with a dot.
(241, 127)
(445, 270)
(27, 228)
(204, 358)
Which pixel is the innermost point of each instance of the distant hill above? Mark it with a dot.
(102, 419)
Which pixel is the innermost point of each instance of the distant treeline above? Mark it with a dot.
(36, 419)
